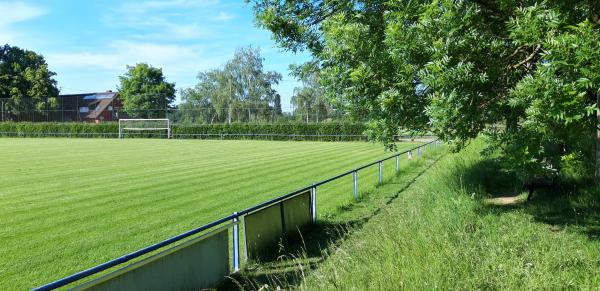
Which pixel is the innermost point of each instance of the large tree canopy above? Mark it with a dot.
(27, 87)
(145, 92)
(459, 67)
(239, 91)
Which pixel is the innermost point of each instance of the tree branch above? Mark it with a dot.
(531, 56)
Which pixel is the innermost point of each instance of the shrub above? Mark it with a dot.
(334, 131)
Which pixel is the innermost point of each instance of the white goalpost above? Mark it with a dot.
(140, 125)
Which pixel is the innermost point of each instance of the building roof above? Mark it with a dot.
(99, 96)
(93, 96)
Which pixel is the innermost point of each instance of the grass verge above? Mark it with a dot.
(440, 233)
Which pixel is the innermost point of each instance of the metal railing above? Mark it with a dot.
(235, 217)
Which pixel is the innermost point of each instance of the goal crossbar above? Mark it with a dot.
(123, 128)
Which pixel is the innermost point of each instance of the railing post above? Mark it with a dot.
(355, 176)
(409, 154)
(380, 172)
(418, 153)
(397, 164)
(236, 243)
(313, 202)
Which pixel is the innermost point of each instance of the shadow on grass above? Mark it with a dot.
(486, 178)
(289, 267)
(316, 244)
(572, 205)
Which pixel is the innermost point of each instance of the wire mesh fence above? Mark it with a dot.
(89, 113)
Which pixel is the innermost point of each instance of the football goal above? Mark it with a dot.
(140, 126)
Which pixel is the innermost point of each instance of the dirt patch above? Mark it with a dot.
(511, 200)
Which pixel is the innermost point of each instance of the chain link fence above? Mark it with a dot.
(113, 112)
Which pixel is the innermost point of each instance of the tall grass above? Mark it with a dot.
(440, 233)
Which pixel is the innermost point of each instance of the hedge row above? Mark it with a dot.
(283, 131)
(42, 129)
(333, 131)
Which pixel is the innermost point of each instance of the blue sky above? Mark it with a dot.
(89, 43)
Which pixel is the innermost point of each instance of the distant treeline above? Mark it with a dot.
(331, 131)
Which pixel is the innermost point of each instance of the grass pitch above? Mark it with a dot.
(69, 204)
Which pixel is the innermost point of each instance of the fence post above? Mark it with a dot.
(409, 154)
(236, 243)
(355, 176)
(380, 172)
(418, 153)
(397, 164)
(313, 202)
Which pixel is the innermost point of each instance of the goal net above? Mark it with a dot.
(144, 127)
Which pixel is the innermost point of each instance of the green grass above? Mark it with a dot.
(69, 204)
(440, 233)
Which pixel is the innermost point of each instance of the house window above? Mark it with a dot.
(110, 108)
(84, 109)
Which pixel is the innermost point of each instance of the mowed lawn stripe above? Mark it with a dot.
(69, 204)
(132, 206)
(183, 182)
(127, 176)
(134, 169)
(166, 200)
(158, 198)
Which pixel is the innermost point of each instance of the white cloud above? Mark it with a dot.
(137, 7)
(177, 61)
(164, 20)
(224, 16)
(177, 3)
(84, 59)
(162, 29)
(14, 12)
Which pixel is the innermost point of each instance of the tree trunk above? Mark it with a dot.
(598, 138)
(306, 116)
(229, 115)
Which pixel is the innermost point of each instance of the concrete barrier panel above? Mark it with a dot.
(264, 230)
(267, 228)
(196, 264)
(296, 214)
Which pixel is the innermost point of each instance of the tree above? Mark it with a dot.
(303, 101)
(310, 98)
(145, 92)
(458, 67)
(26, 84)
(241, 88)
